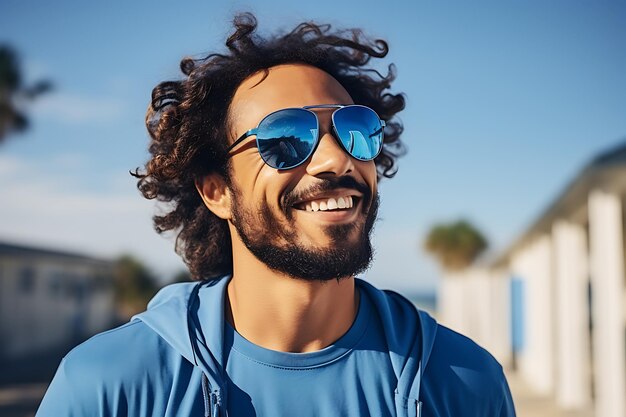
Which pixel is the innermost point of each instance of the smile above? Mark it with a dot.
(327, 204)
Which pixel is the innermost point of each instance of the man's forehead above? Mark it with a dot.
(305, 80)
(283, 86)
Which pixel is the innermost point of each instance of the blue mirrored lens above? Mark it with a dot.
(286, 138)
(360, 131)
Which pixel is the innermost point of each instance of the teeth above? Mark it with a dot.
(330, 204)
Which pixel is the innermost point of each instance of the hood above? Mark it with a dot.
(173, 314)
(408, 351)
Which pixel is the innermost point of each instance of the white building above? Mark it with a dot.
(50, 300)
(561, 290)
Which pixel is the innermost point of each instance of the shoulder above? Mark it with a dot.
(119, 359)
(98, 376)
(452, 349)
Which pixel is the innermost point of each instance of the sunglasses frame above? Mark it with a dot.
(337, 107)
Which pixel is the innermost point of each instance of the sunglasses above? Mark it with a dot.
(287, 138)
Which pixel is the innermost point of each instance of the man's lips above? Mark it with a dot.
(328, 195)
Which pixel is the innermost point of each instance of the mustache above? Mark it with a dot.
(326, 185)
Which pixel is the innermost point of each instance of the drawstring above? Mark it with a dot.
(190, 328)
(418, 403)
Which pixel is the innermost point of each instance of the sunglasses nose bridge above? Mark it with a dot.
(329, 156)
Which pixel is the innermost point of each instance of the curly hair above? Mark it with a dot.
(187, 122)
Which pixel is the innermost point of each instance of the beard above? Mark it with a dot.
(276, 243)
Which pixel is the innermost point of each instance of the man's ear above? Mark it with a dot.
(215, 194)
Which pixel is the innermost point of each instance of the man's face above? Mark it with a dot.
(272, 211)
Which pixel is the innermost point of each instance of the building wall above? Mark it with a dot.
(48, 303)
(561, 356)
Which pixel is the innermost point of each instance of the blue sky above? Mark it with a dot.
(506, 102)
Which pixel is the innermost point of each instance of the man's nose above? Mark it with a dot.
(330, 158)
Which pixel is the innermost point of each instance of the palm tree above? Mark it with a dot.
(13, 94)
(135, 285)
(456, 245)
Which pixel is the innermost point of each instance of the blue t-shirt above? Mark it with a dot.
(349, 378)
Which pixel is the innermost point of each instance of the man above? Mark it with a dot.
(269, 158)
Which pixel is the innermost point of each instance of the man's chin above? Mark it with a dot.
(325, 266)
(333, 259)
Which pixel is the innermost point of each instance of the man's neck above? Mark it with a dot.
(281, 313)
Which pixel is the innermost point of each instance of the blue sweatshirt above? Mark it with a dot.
(181, 358)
